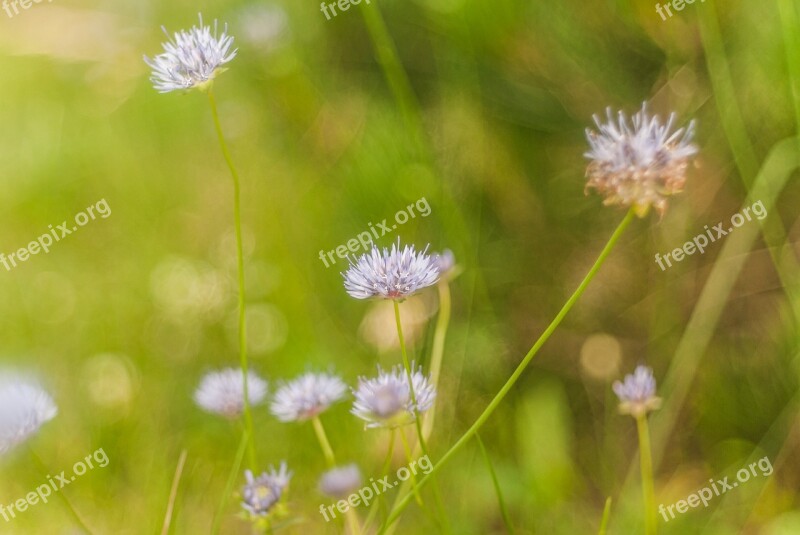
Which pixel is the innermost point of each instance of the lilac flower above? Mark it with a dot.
(222, 392)
(260, 494)
(307, 396)
(24, 408)
(385, 401)
(394, 274)
(637, 394)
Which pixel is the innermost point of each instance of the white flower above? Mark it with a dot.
(191, 59)
(385, 401)
(639, 164)
(341, 481)
(222, 392)
(391, 274)
(24, 407)
(307, 396)
(637, 395)
(261, 493)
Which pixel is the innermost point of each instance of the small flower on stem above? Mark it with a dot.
(341, 481)
(191, 59)
(637, 394)
(386, 401)
(641, 164)
(261, 494)
(307, 396)
(394, 274)
(222, 392)
(24, 408)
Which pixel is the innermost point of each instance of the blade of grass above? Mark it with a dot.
(498, 491)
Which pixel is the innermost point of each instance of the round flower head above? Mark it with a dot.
(385, 401)
(446, 263)
(222, 392)
(24, 407)
(340, 482)
(394, 274)
(637, 394)
(307, 396)
(191, 59)
(639, 164)
(260, 494)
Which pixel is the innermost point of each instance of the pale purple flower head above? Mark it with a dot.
(307, 396)
(340, 481)
(260, 494)
(637, 394)
(385, 400)
(446, 263)
(394, 274)
(191, 59)
(639, 164)
(222, 392)
(24, 408)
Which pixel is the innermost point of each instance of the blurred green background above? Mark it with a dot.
(122, 318)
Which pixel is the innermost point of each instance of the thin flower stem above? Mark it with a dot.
(173, 493)
(500, 501)
(63, 497)
(606, 516)
(410, 458)
(402, 504)
(330, 458)
(234, 474)
(387, 463)
(648, 489)
(237, 216)
(437, 354)
(322, 437)
(436, 494)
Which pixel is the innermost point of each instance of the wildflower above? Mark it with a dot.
(191, 59)
(24, 408)
(637, 394)
(307, 396)
(639, 164)
(394, 274)
(385, 401)
(341, 481)
(260, 494)
(222, 392)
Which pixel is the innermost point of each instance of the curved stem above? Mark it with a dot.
(237, 464)
(322, 437)
(498, 491)
(648, 490)
(520, 369)
(237, 216)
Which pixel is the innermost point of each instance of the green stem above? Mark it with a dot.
(410, 459)
(234, 474)
(417, 422)
(237, 216)
(437, 354)
(63, 497)
(648, 490)
(387, 463)
(606, 517)
(500, 501)
(322, 437)
(521, 368)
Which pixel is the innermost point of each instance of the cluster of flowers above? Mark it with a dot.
(388, 400)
